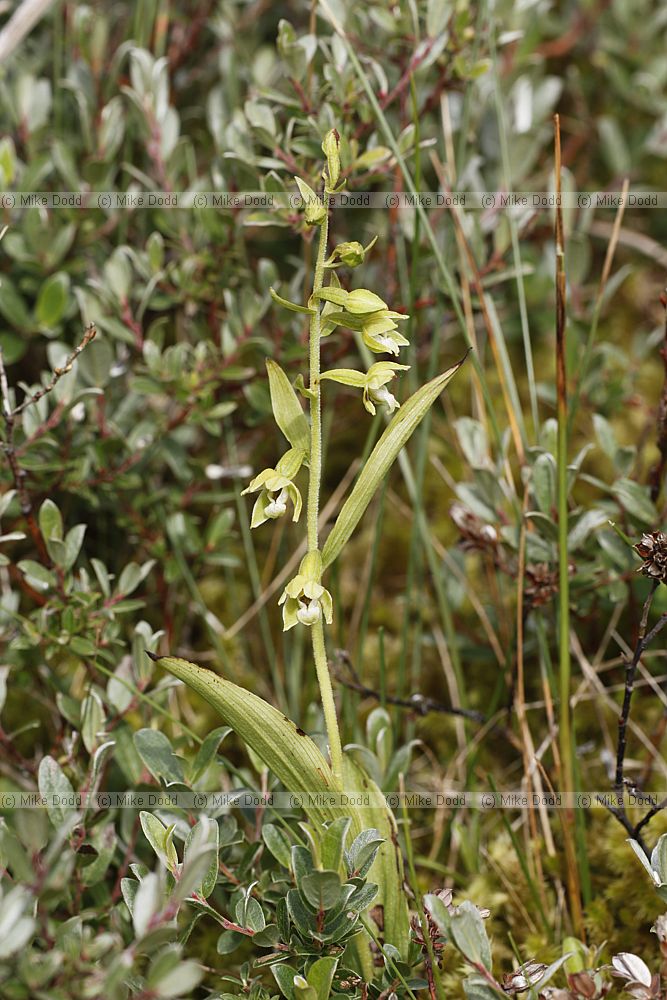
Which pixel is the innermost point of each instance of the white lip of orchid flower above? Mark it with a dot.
(277, 506)
(275, 491)
(382, 395)
(310, 613)
(305, 601)
(387, 342)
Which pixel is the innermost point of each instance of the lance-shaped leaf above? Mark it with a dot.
(298, 764)
(380, 461)
(287, 409)
(292, 756)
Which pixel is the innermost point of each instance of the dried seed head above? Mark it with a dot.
(653, 550)
(541, 584)
(475, 534)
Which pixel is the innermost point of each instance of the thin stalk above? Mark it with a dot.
(565, 729)
(315, 480)
(592, 333)
(313, 505)
(516, 251)
(433, 968)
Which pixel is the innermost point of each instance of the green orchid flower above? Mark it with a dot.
(380, 333)
(304, 600)
(277, 488)
(373, 382)
(366, 313)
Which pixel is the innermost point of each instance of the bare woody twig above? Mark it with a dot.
(10, 414)
(9, 450)
(643, 640)
(418, 703)
(90, 334)
(657, 473)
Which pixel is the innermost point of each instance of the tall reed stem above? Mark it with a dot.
(313, 504)
(565, 728)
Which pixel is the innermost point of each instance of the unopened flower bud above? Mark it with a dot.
(351, 254)
(330, 150)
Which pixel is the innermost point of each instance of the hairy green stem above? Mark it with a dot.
(314, 488)
(315, 480)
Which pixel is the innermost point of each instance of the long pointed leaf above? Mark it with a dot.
(380, 461)
(298, 764)
(287, 409)
(292, 756)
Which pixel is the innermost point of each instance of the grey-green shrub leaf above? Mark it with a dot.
(287, 409)
(156, 834)
(636, 501)
(16, 922)
(320, 976)
(147, 902)
(333, 842)
(155, 750)
(277, 843)
(321, 889)
(659, 858)
(38, 576)
(12, 305)
(362, 853)
(207, 751)
(200, 859)
(438, 13)
(544, 482)
(464, 927)
(380, 461)
(92, 720)
(73, 543)
(284, 976)
(180, 981)
(302, 990)
(50, 520)
(253, 916)
(52, 300)
(56, 788)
